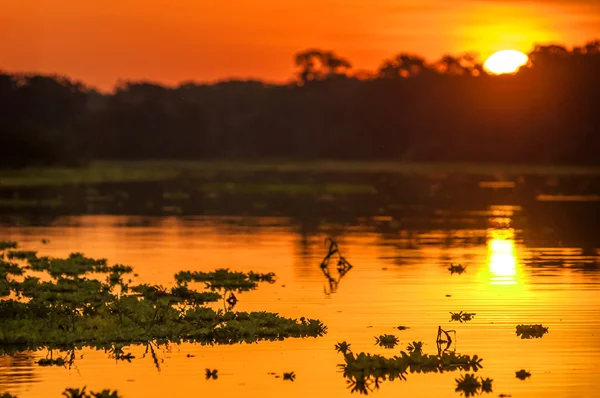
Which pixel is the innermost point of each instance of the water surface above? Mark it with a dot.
(400, 277)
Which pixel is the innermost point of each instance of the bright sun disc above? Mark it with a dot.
(506, 61)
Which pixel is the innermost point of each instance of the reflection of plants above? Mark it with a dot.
(364, 372)
(211, 374)
(386, 340)
(531, 331)
(457, 269)
(291, 376)
(342, 266)
(79, 301)
(522, 374)
(461, 316)
(469, 385)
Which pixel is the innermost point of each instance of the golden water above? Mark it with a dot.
(397, 279)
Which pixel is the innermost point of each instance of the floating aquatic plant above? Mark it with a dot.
(211, 374)
(386, 340)
(342, 266)
(81, 393)
(291, 376)
(225, 281)
(78, 301)
(522, 374)
(470, 385)
(342, 347)
(461, 316)
(457, 269)
(8, 245)
(402, 327)
(531, 331)
(364, 372)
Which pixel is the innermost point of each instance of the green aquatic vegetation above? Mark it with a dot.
(522, 374)
(470, 385)
(82, 393)
(77, 301)
(342, 347)
(415, 346)
(211, 374)
(342, 266)
(386, 340)
(226, 282)
(457, 269)
(461, 316)
(364, 372)
(7, 245)
(291, 376)
(531, 331)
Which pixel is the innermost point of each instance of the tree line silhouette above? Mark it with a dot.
(409, 109)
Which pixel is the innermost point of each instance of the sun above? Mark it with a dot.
(505, 61)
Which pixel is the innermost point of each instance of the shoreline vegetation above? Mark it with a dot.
(409, 109)
(155, 171)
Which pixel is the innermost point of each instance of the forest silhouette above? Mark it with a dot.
(407, 110)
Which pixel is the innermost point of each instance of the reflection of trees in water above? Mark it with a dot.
(16, 370)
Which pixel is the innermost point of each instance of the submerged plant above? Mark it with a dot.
(461, 316)
(469, 385)
(522, 374)
(531, 331)
(386, 340)
(457, 269)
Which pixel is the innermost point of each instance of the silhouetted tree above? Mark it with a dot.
(450, 110)
(319, 65)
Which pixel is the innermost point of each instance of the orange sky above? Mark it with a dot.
(169, 41)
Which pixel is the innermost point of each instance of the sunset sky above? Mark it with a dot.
(169, 41)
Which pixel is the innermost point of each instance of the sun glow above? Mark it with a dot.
(502, 257)
(506, 61)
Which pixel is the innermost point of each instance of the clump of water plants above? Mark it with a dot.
(402, 327)
(522, 374)
(531, 331)
(291, 376)
(342, 266)
(470, 385)
(68, 303)
(386, 340)
(211, 374)
(82, 393)
(342, 347)
(461, 316)
(457, 269)
(364, 372)
(224, 281)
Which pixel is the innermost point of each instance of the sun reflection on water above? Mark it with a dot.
(502, 257)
